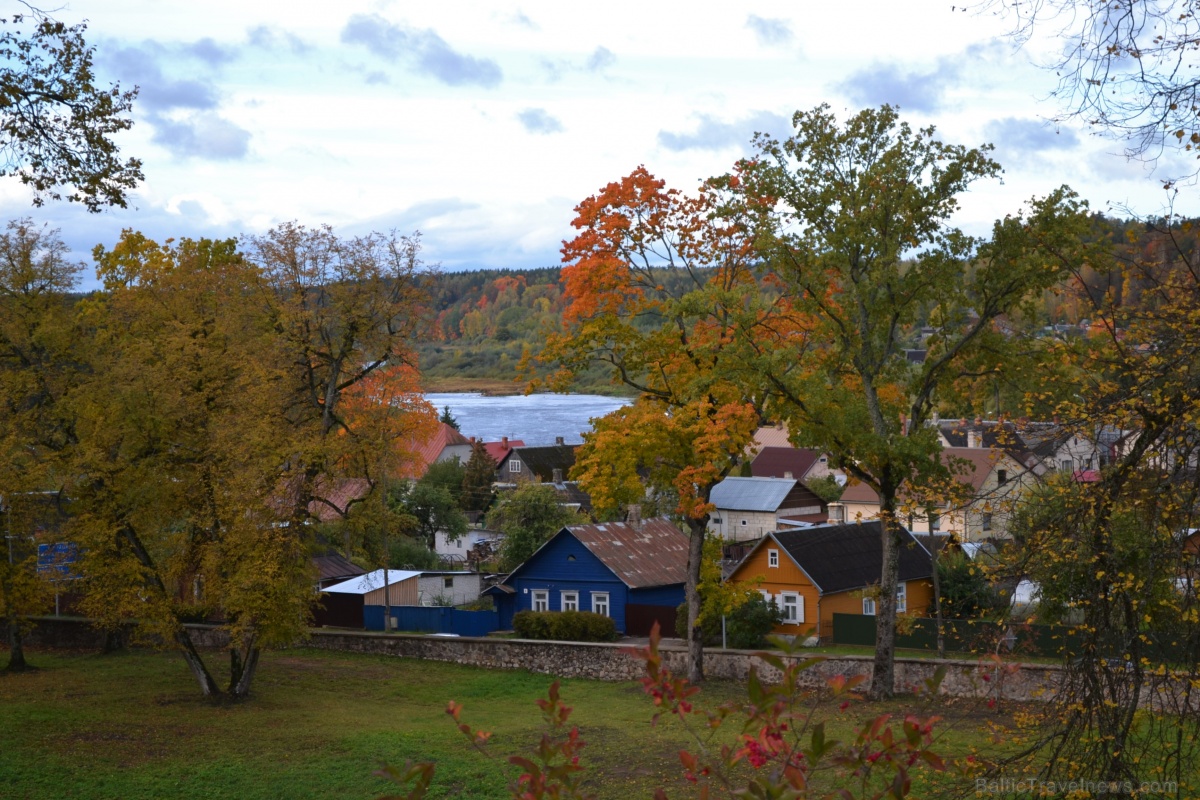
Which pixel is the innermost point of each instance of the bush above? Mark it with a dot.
(745, 629)
(532, 624)
(566, 626)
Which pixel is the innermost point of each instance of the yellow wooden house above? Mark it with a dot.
(811, 573)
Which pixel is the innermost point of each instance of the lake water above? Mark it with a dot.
(536, 418)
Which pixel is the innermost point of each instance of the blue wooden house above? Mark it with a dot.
(631, 571)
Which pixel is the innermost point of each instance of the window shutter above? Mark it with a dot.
(799, 608)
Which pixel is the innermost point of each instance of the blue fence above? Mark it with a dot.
(434, 619)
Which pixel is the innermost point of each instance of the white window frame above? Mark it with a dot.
(569, 601)
(600, 600)
(902, 598)
(791, 606)
(773, 558)
(514, 465)
(448, 583)
(540, 597)
(869, 606)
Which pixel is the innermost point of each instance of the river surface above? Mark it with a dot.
(537, 419)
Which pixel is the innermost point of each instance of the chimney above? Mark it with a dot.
(788, 475)
(504, 441)
(634, 516)
(558, 440)
(556, 475)
(973, 438)
(471, 439)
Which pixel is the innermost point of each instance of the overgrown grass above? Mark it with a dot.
(132, 725)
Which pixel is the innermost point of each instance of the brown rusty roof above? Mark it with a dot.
(653, 553)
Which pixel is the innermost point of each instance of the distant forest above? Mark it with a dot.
(486, 321)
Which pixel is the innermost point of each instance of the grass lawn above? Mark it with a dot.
(132, 725)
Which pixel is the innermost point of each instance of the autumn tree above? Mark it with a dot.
(56, 125)
(39, 361)
(657, 285)
(176, 474)
(1113, 557)
(342, 310)
(853, 222)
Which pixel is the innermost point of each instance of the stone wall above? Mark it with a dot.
(609, 662)
(613, 662)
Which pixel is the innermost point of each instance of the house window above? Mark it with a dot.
(869, 606)
(570, 601)
(1067, 465)
(772, 558)
(743, 522)
(447, 583)
(987, 521)
(541, 600)
(600, 603)
(514, 465)
(792, 608)
(1001, 476)
(935, 521)
(902, 598)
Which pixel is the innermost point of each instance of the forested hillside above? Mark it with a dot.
(486, 323)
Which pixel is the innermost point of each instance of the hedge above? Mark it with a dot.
(564, 626)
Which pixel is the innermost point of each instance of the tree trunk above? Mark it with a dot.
(16, 648)
(936, 552)
(208, 687)
(883, 676)
(240, 688)
(695, 641)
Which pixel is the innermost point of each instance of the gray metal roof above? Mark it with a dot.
(751, 494)
(650, 553)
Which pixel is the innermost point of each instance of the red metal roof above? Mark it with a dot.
(427, 451)
(653, 553)
(499, 450)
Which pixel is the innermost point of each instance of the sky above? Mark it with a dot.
(483, 124)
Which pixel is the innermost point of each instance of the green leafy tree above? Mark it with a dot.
(826, 487)
(448, 474)
(433, 508)
(965, 590)
(56, 125)
(528, 516)
(853, 222)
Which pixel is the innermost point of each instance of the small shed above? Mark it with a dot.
(342, 604)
